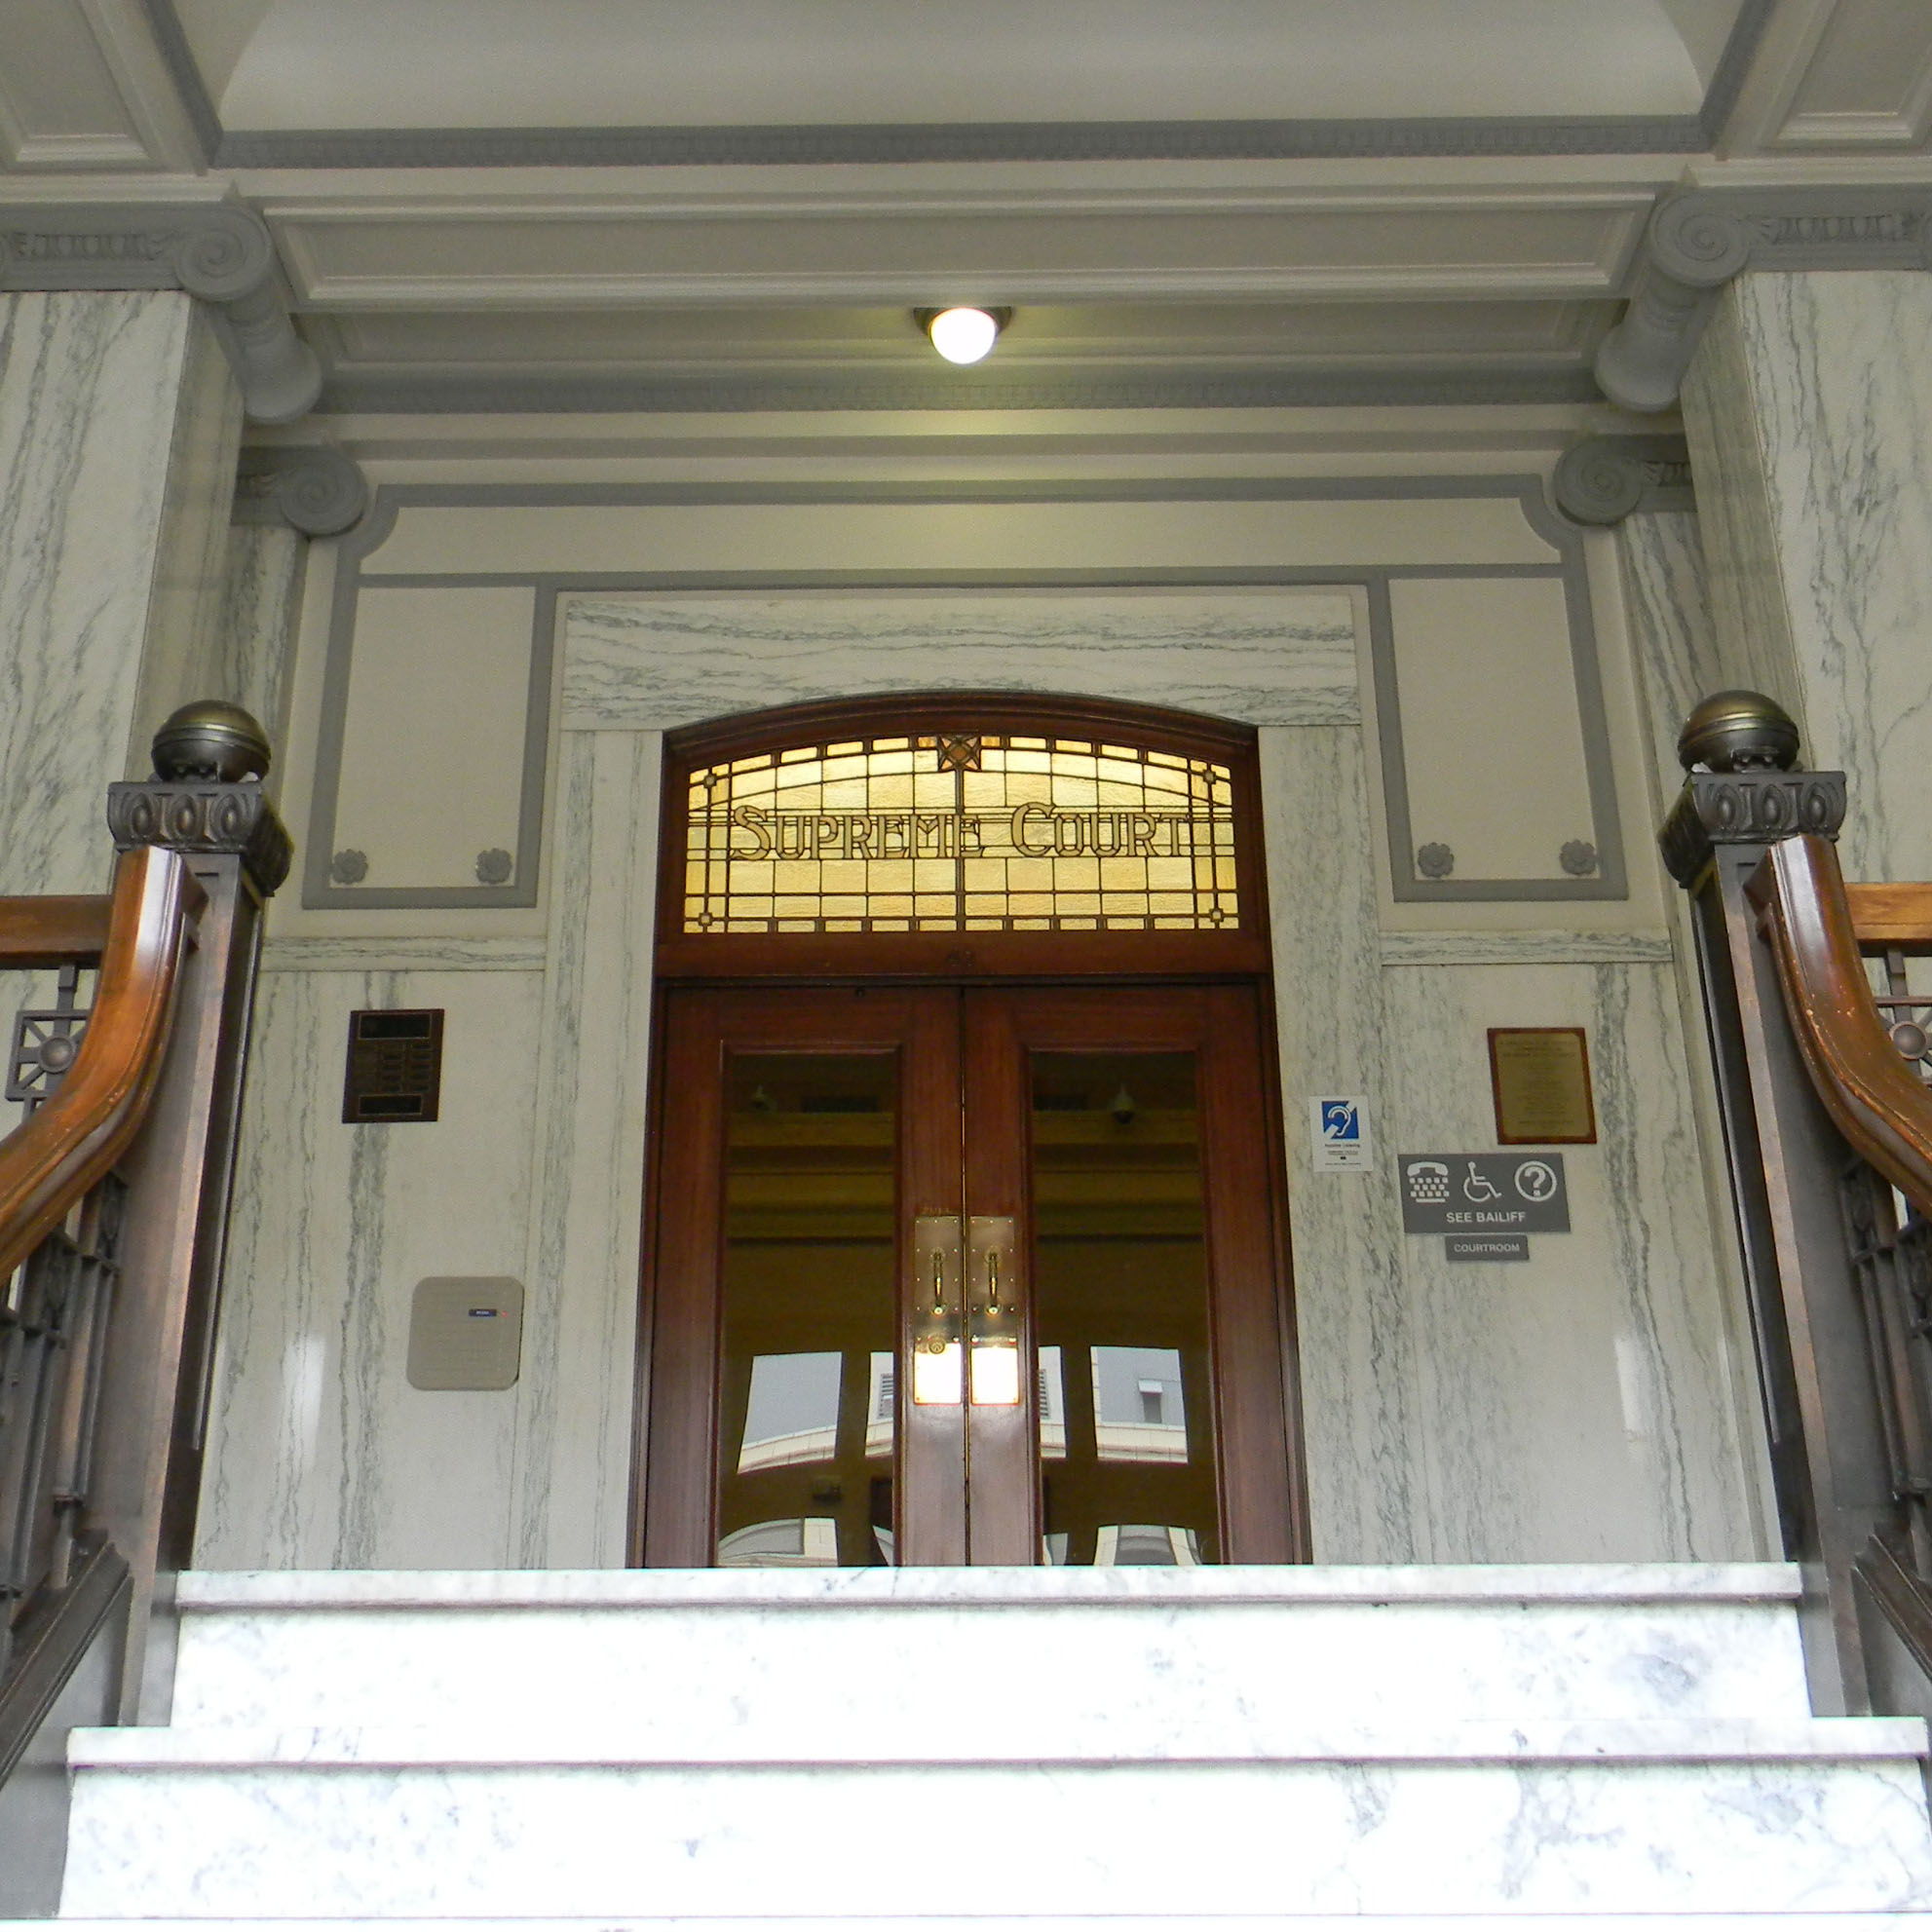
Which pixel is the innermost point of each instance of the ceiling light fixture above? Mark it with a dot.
(964, 335)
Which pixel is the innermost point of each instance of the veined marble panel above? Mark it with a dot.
(1484, 1820)
(652, 662)
(1816, 411)
(448, 954)
(1524, 948)
(186, 640)
(1672, 639)
(255, 636)
(1174, 1662)
(1679, 658)
(574, 1404)
(1579, 1407)
(92, 392)
(1359, 1368)
(320, 1453)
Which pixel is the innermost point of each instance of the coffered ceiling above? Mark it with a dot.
(646, 203)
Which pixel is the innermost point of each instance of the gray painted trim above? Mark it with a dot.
(1699, 238)
(1012, 140)
(1526, 491)
(933, 388)
(1602, 480)
(312, 489)
(1427, 949)
(170, 40)
(1406, 883)
(1733, 68)
(318, 890)
(910, 142)
(217, 252)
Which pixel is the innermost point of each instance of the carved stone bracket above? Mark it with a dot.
(1747, 809)
(205, 818)
(1700, 238)
(1606, 479)
(317, 490)
(219, 253)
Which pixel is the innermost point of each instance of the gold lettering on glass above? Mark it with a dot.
(951, 834)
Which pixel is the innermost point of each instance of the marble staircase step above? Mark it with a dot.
(1145, 1660)
(1274, 1921)
(1498, 1818)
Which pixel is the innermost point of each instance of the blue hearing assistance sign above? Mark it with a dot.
(1483, 1193)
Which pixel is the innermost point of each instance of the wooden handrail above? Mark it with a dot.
(1892, 916)
(53, 931)
(50, 1160)
(1878, 1102)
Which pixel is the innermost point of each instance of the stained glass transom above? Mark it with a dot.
(953, 832)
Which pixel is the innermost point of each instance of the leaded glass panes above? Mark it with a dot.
(955, 832)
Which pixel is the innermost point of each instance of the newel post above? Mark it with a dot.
(1786, 1163)
(205, 800)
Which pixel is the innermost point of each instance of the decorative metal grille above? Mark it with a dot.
(961, 833)
(54, 1314)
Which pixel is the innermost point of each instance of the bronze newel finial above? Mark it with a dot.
(210, 739)
(1738, 731)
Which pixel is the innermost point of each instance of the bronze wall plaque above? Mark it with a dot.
(1541, 1077)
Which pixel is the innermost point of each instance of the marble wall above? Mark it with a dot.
(1578, 1407)
(253, 635)
(1583, 1405)
(320, 1455)
(1810, 413)
(119, 422)
(1680, 655)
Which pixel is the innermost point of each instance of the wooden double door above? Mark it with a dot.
(947, 1275)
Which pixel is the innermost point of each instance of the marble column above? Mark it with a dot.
(119, 424)
(1809, 409)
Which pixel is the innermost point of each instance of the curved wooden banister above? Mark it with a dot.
(1878, 1103)
(52, 1159)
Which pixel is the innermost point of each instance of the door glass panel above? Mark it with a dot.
(1119, 1272)
(808, 1396)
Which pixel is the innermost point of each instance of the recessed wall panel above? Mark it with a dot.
(430, 788)
(1491, 734)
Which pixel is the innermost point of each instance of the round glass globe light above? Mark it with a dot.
(964, 335)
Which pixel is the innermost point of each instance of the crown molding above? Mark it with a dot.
(219, 252)
(901, 142)
(1700, 238)
(617, 395)
(1604, 479)
(313, 488)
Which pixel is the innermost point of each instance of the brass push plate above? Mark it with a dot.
(939, 1354)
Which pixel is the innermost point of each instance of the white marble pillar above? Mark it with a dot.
(1810, 413)
(119, 422)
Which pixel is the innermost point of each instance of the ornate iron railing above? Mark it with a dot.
(1823, 1055)
(113, 1191)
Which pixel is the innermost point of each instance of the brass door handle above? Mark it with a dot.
(994, 1354)
(938, 1346)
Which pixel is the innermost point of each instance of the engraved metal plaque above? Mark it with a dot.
(394, 1070)
(1540, 1079)
(466, 1331)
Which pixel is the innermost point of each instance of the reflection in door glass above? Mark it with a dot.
(807, 1395)
(1120, 1312)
